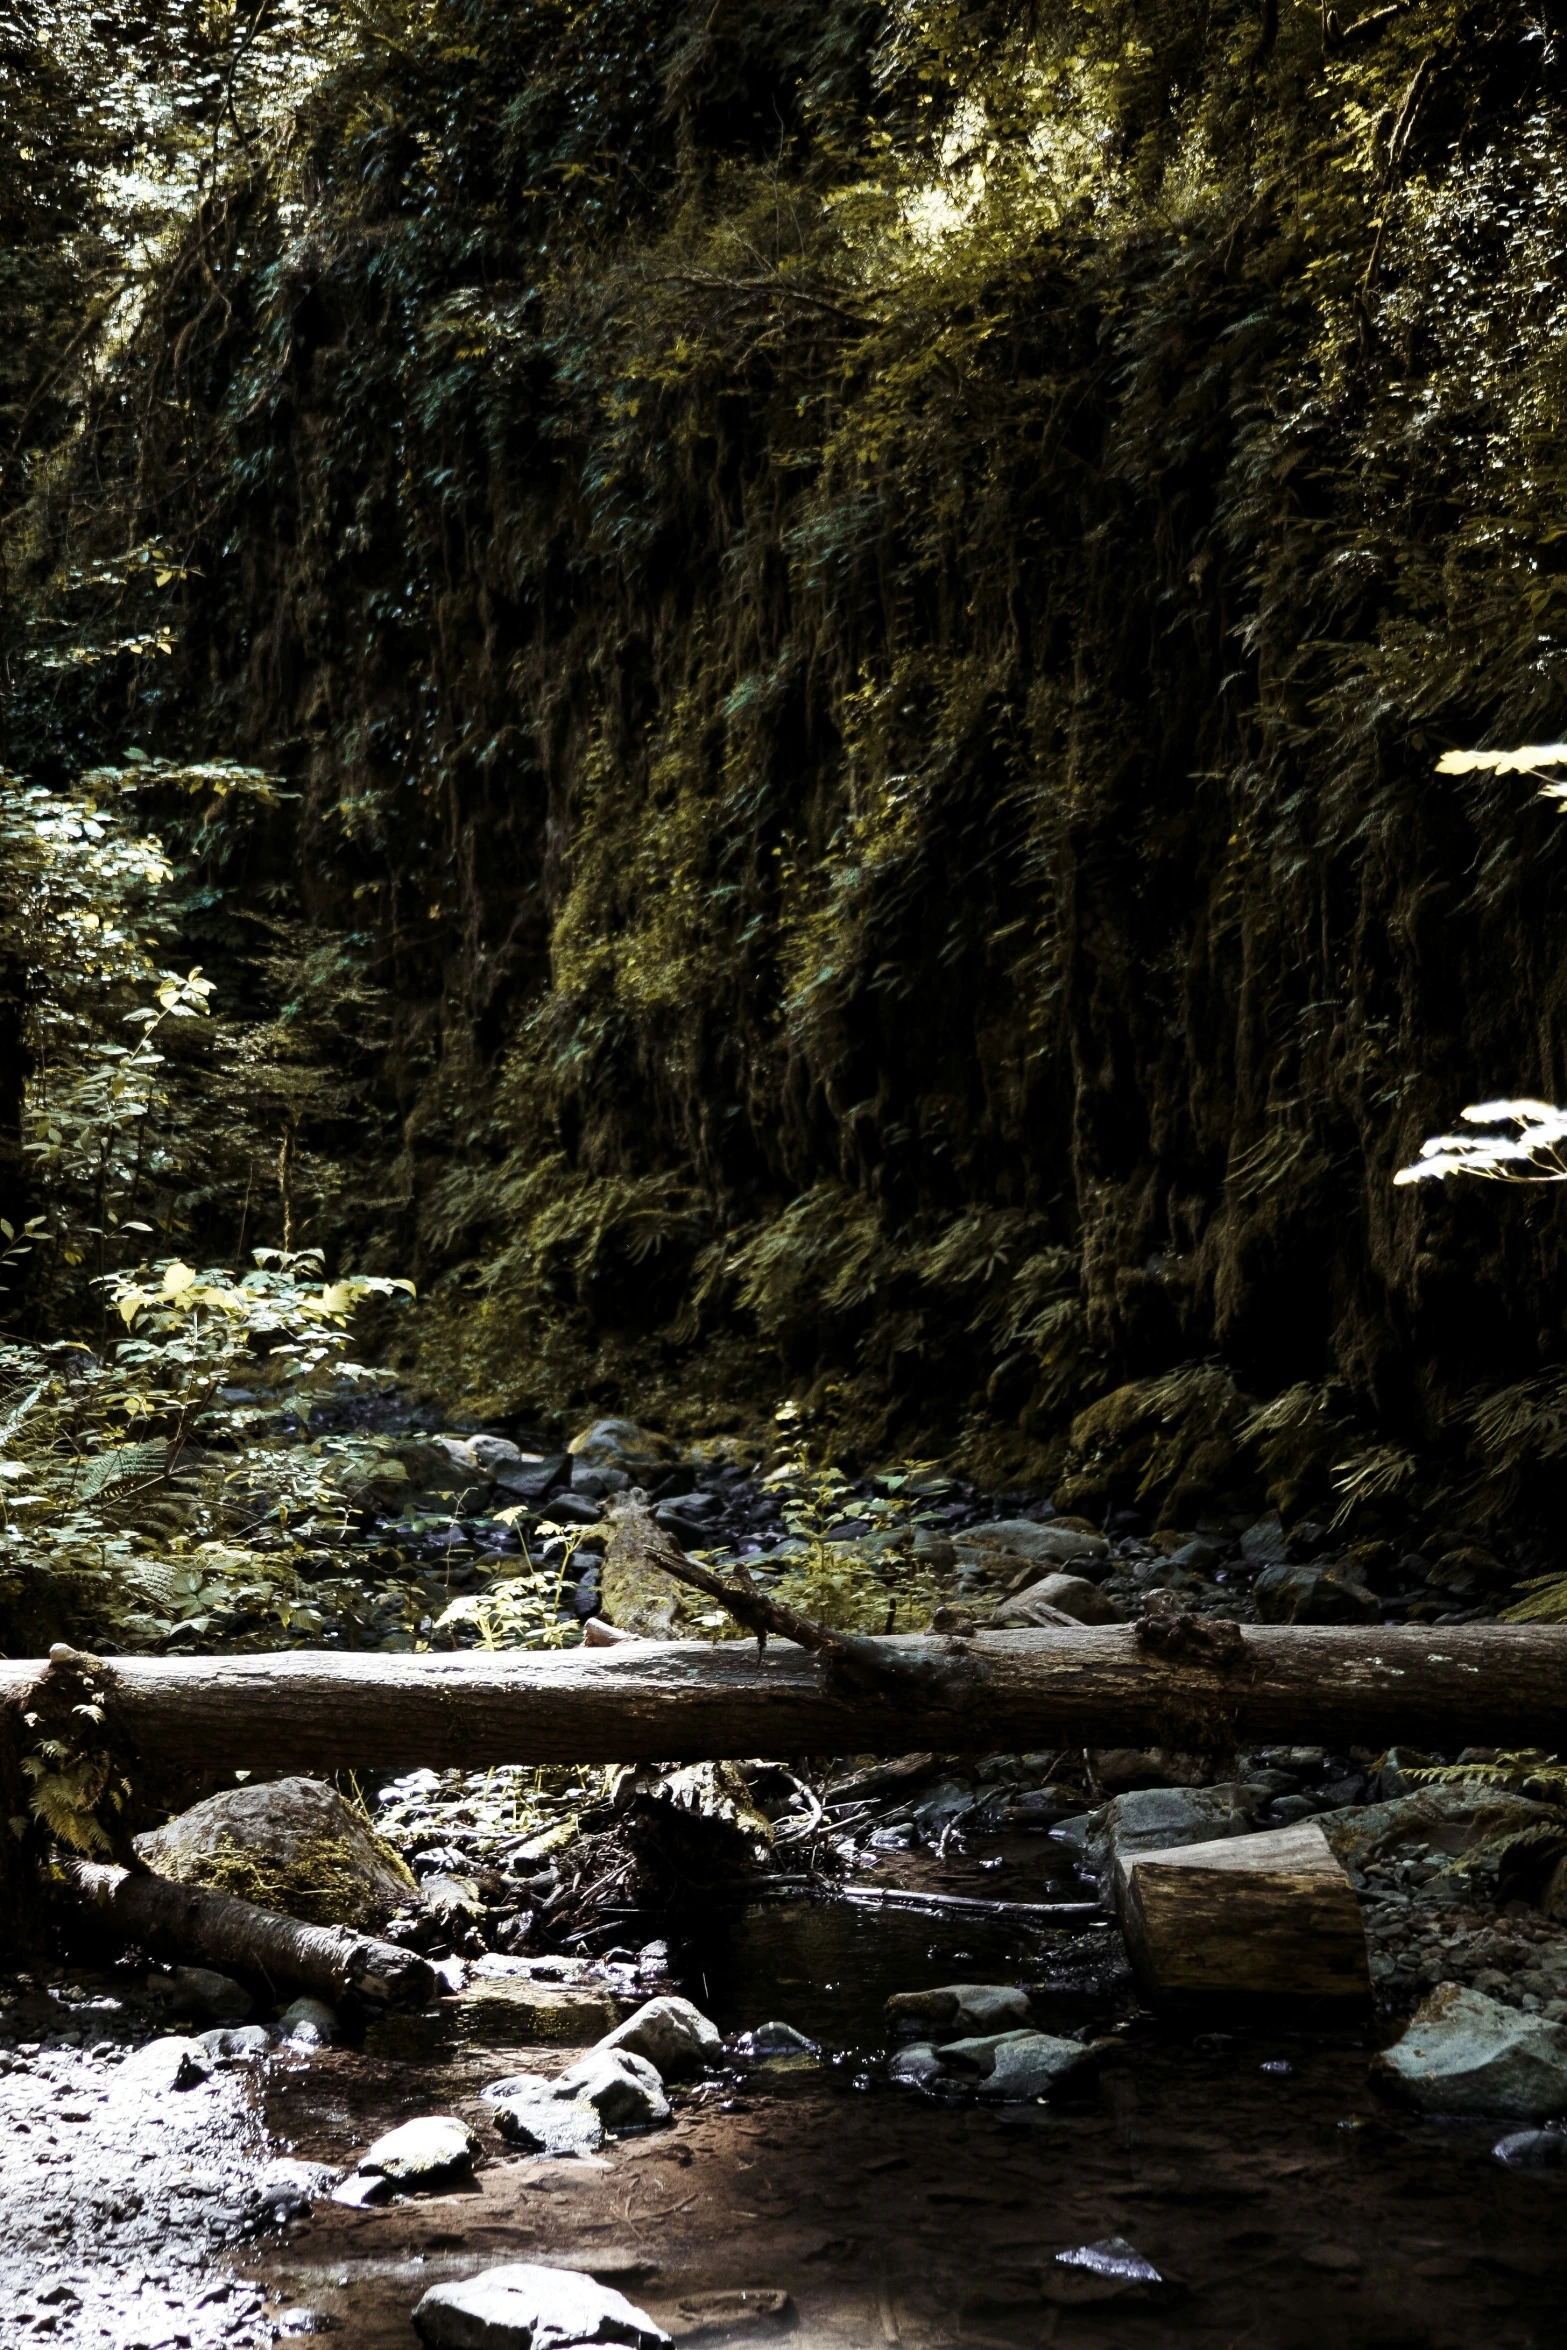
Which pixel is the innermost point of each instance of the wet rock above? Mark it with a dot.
(286, 2189)
(1533, 2150)
(169, 2063)
(290, 1844)
(915, 2066)
(420, 2153)
(963, 2007)
(309, 2023)
(624, 2090)
(1464, 2052)
(1017, 2064)
(1072, 1596)
(1109, 2270)
(523, 2307)
(211, 1998)
(773, 2040)
(1314, 1595)
(240, 2041)
(675, 2037)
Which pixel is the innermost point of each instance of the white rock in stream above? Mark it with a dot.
(1014, 2065)
(672, 2034)
(1465, 2053)
(524, 2307)
(419, 2152)
(623, 2089)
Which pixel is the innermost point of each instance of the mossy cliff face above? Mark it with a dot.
(864, 602)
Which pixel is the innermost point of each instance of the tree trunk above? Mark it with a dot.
(216, 1929)
(1272, 1915)
(688, 1701)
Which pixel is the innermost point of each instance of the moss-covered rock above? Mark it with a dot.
(288, 1844)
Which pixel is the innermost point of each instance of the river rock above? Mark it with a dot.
(1451, 1820)
(532, 1480)
(963, 2007)
(915, 2066)
(1314, 1595)
(1015, 2064)
(288, 1844)
(524, 2307)
(420, 2153)
(673, 2035)
(1054, 1598)
(1466, 2053)
(624, 2090)
(287, 2188)
(216, 1999)
(773, 2040)
(1022, 1538)
(529, 2114)
(494, 1453)
(309, 2023)
(239, 2042)
(619, 1444)
(1152, 1818)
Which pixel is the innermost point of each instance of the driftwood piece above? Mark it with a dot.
(1273, 1915)
(689, 1701)
(217, 1929)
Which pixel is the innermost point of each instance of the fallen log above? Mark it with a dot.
(692, 1701)
(217, 1929)
(1272, 1915)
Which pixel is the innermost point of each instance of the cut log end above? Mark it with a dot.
(1270, 1916)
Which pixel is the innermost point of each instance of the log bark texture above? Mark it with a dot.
(688, 1701)
(187, 1922)
(1273, 1915)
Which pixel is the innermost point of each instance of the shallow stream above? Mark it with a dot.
(1248, 2162)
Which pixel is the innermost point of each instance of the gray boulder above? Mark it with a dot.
(1012, 2065)
(1056, 1596)
(619, 1444)
(533, 2118)
(288, 1844)
(963, 2007)
(674, 2036)
(1021, 1538)
(309, 2023)
(240, 2043)
(1465, 2053)
(1151, 1818)
(524, 2307)
(624, 2090)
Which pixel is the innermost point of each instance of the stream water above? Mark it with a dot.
(1246, 2161)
